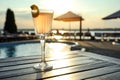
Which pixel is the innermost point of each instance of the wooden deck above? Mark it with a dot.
(74, 65)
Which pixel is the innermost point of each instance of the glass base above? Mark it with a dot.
(43, 67)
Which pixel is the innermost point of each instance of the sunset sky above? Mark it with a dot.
(91, 10)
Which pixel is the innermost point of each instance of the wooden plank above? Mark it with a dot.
(112, 76)
(77, 60)
(20, 65)
(87, 74)
(70, 54)
(76, 69)
(19, 58)
(30, 73)
(34, 60)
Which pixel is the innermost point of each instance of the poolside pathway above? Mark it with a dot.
(102, 48)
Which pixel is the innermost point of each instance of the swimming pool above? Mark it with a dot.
(18, 49)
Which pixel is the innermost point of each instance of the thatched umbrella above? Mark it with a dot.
(70, 16)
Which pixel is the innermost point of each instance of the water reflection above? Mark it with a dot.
(10, 51)
(54, 50)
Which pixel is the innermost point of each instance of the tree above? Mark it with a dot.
(10, 25)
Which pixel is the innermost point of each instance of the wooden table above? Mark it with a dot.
(74, 65)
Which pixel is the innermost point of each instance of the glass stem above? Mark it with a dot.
(42, 42)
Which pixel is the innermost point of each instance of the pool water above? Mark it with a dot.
(28, 49)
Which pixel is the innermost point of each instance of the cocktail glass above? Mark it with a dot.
(43, 21)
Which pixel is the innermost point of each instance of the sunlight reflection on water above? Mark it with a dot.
(28, 49)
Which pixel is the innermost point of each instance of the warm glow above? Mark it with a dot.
(58, 50)
(59, 6)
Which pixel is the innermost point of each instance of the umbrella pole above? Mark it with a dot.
(69, 30)
(80, 29)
